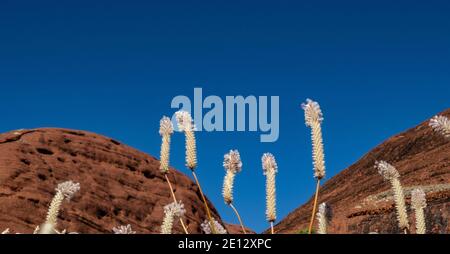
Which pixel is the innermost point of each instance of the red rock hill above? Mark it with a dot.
(361, 201)
(119, 185)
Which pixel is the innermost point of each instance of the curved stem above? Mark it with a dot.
(208, 212)
(239, 217)
(175, 200)
(313, 215)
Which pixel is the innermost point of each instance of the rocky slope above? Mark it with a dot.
(119, 185)
(360, 200)
(237, 229)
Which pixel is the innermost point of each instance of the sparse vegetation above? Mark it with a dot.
(304, 231)
(166, 131)
(64, 192)
(233, 165)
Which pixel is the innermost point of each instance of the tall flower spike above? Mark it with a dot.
(270, 168)
(206, 227)
(441, 124)
(418, 203)
(313, 119)
(232, 164)
(166, 131)
(186, 124)
(66, 191)
(171, 211)
(322, 219)
(391, 174)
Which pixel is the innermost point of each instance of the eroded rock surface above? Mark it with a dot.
(119, 185)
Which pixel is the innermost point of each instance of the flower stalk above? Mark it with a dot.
(270, 169)
(418, 203)
(322, 219)
(391, 174)
(314, 119)
(64, 191)
(166, 132)
(186, 125)
(171, 211)
(233, 165)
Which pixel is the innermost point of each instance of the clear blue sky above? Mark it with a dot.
(111, 67)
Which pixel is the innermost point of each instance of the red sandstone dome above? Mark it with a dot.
(119, 185)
